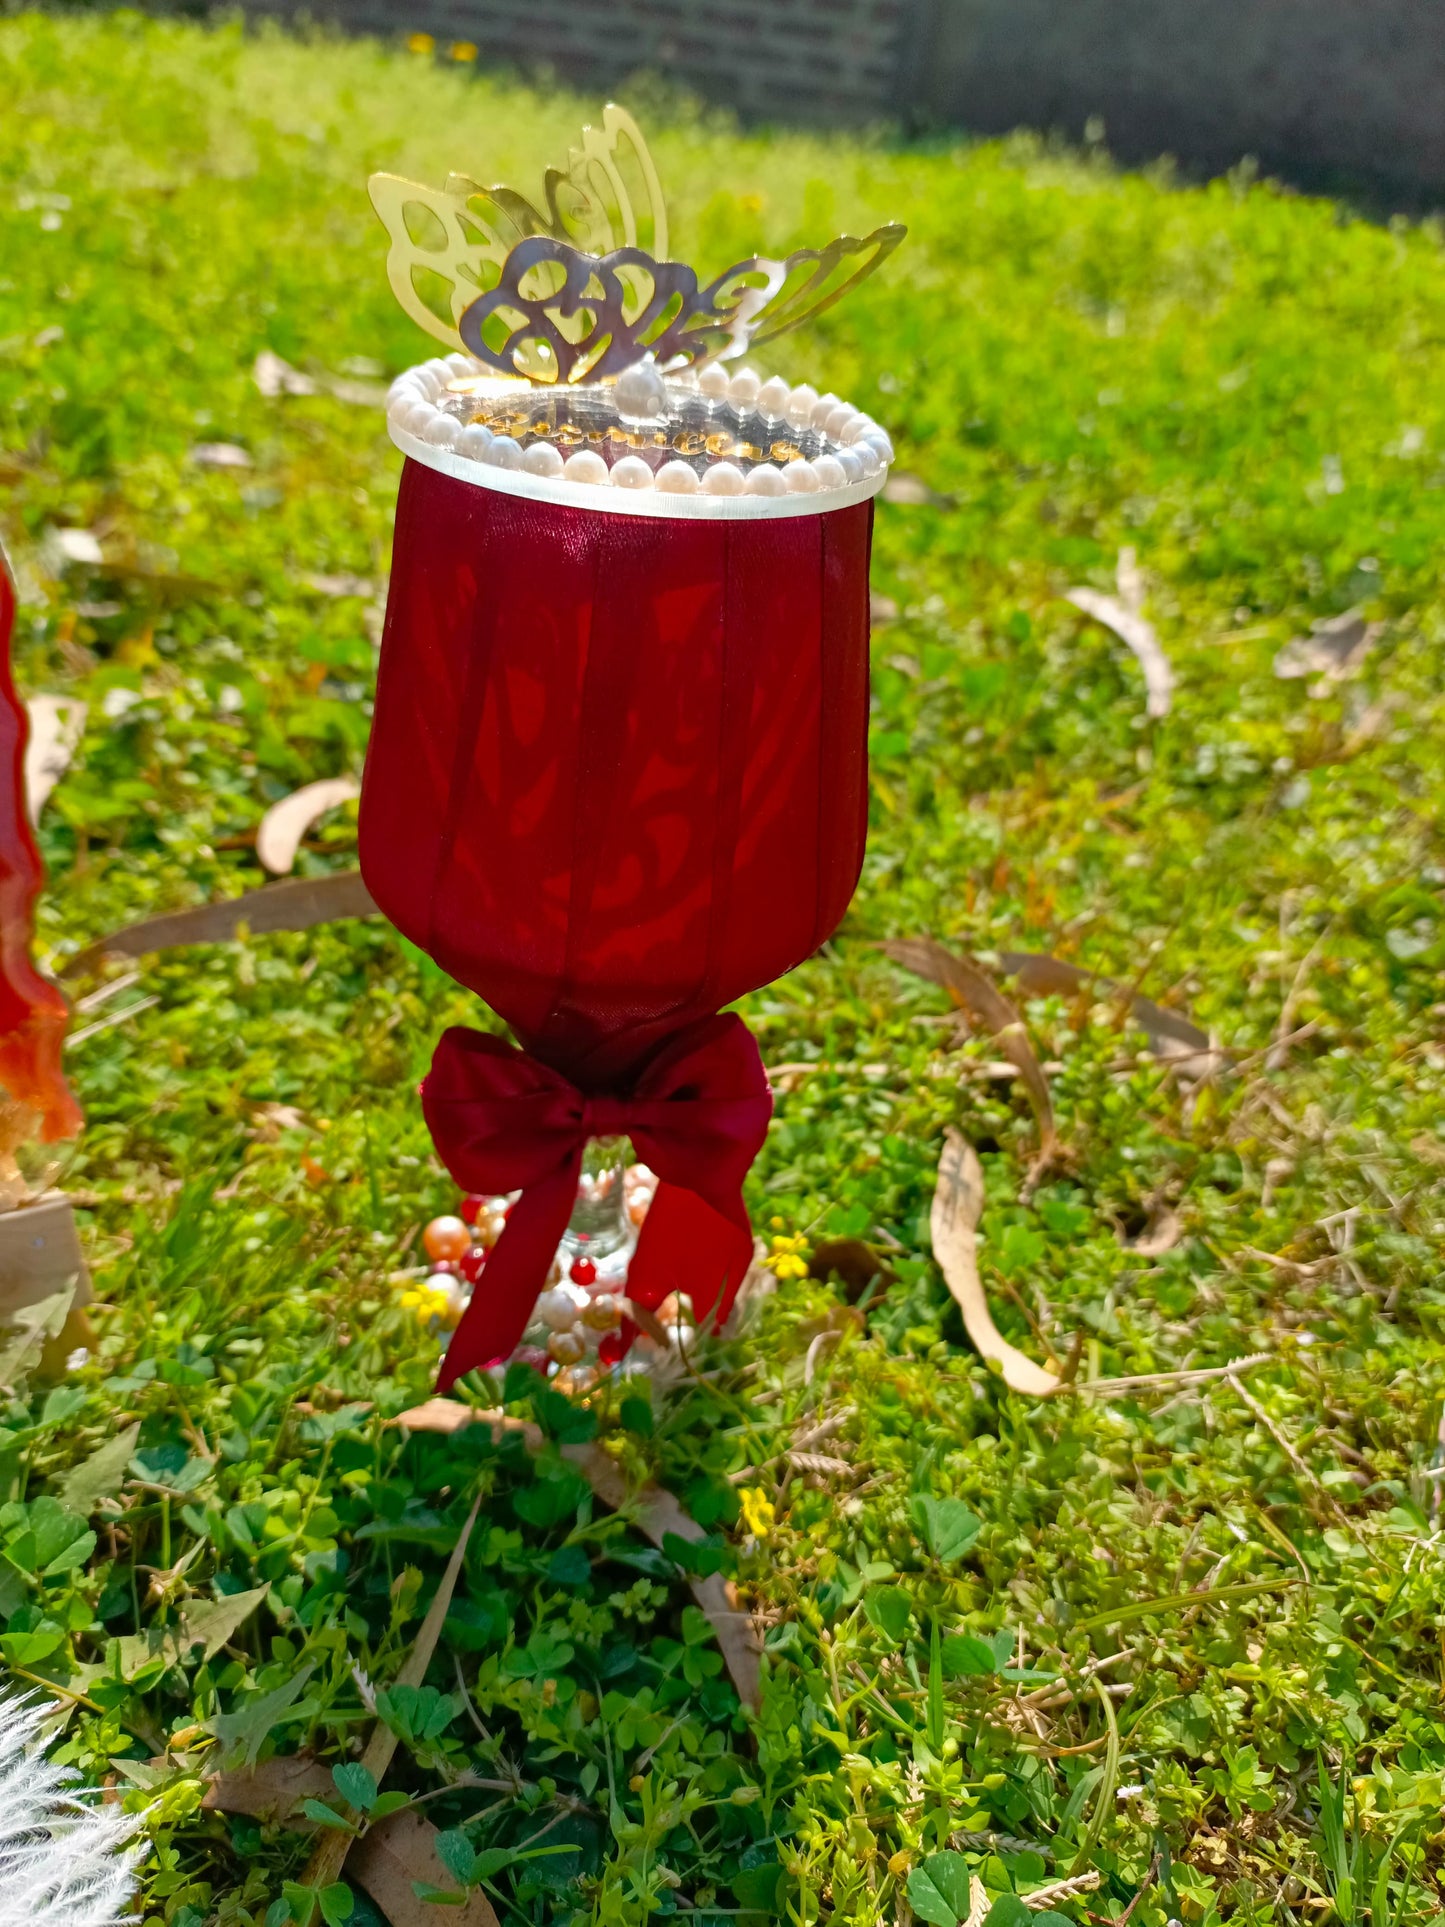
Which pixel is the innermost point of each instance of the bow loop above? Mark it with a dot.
(504, 1121)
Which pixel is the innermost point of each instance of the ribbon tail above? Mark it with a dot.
(514, 1274)
(688, 1245)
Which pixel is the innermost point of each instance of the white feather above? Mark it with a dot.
(65, 1861)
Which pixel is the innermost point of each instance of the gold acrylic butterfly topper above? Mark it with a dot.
(584, 289)
(448, 244)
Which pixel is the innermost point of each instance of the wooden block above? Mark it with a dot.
(40, 1255)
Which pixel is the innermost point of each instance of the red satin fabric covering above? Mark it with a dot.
(618, 767)
(33, 1014)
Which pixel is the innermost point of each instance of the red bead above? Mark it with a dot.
(583, 1272)
(472, 1262)
(471, 1207)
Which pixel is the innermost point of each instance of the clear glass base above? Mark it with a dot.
(600, 1228)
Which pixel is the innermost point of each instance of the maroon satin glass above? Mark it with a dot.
(618, 767)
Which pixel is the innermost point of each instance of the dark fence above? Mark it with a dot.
(1328, 91)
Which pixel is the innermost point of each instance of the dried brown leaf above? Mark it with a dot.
(972, 991)
(57, 724)
(329, 1856)
(297, 904)
(400, 1850)
(911, 491)
(1169, 1034)
(1161, 1234)
(854, 1263)
(271, 1791)
(282, 827)
(655, 1511)
(395, 1852)
(957, 1207)
(1125, 617)
(1333, 649)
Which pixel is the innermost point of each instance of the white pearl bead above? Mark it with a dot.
(403, 385)
(475, 440)
(585, 466)
(877, 438)
(543, 459)
(765, 480)
(851, 466)
(504, 452)
(417, 418)
(744, 388)
(857, 429)
(677, 478)
(773, 398)
(641, 392)
(838, 421)
(723, 478)
(460, 364)
(443, 431)
(829, 472)
(631, 472)
(712, 381)
(557, 1308)
(437, 375)
(801, 403)
(823, 408)
(801, 478)
(867, 457)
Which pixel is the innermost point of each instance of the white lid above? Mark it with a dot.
(606, 500)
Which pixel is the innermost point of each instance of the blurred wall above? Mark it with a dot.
(1314, 89)
(1347, 91)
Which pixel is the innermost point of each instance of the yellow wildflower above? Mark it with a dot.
(463, 50)
(757, 1510)
(786, 1259)
(429, 1304)
(421, 43)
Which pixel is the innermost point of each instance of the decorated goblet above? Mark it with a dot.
(617, 774)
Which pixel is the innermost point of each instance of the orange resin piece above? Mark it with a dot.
(33, 1014)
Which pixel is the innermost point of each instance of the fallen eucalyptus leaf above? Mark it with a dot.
(57, 724)
(275, 377)
(326, 1862)
(297, 904)
(282, 827)
(1169, 1034)
(911, 491)
(1333, 649)
(1125, 617)
(654, 1511)
(1161, 1234)
(957, 1208)
(220, 455)
(854, 1263)
(972, 991)
(400, 1853)
(395, 1852)
(64, 546)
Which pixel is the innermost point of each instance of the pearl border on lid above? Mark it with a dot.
(473, 453)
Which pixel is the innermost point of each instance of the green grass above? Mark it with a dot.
(1245, 387)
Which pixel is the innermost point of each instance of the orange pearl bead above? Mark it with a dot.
(447, 1238)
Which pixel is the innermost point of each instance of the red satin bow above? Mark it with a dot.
(503, 1121)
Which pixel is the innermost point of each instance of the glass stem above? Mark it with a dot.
(599, 1225)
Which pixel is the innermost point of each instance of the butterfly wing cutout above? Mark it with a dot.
(560, 313)
(449, 244)
(814, 278)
